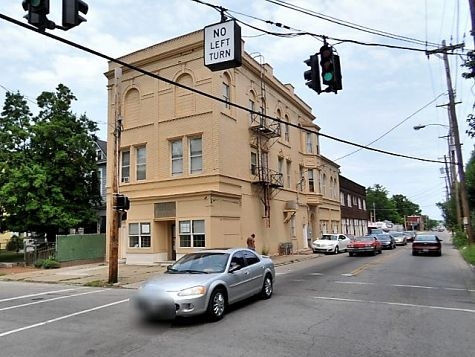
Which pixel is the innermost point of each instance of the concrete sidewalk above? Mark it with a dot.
(97, 274)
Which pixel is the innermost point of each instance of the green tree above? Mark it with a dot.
(377, 201)
(48, 175)
(404, 206)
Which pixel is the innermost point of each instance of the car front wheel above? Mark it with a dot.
(216, 305)
(337, 250)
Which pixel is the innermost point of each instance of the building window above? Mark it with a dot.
(324, 184)
(251, 106)
(287, 129)
(302, 182)
(359, 203)
(311, 181)
(192, 233)
(348, 199)
(141, 163)
(139, 235)
(196, 155)
(226, 94)
(281, 165)
(177, 157)
(308, 141)
(289, 171)
(253, 163)
(125, 166)
(342, 199)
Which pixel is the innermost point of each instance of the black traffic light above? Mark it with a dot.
(312, 76)
(331, 69)
(121, 202)
(37, 11)
(71, 10)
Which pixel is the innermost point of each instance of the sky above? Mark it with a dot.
(386, 91)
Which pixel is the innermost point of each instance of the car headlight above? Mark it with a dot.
(196, 290)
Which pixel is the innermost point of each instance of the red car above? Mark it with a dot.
(427, 244)
(366, 244)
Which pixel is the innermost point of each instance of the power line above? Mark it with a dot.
(222, 100)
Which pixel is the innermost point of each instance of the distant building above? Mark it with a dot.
(101, 159)
(202, 173)
(354, 214)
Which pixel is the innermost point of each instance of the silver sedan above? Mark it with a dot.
(206, 282)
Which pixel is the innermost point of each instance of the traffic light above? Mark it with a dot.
(331, 69)
(312, 75)
(71, 10)
(121, 202)
(37, 11)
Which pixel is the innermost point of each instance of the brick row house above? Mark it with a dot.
(202, 173)
(354, 214)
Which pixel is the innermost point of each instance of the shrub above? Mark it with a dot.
(14, 244)
(460, 239)
(49, 263)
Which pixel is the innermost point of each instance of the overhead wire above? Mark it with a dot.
(207, 95)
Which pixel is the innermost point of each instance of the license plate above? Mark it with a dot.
(425, 250)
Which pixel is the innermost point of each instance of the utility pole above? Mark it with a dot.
(455, 133)
(114, 213)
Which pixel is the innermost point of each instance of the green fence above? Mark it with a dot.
(80, 247)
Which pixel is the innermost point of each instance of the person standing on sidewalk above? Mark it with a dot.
(251, 242)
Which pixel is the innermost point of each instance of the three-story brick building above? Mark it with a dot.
(202, 173)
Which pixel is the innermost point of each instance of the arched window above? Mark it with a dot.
(131, 108)
(226, 90)
(184, 99)
(287, 129)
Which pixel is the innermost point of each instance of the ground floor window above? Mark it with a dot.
(139, 235)
(192, 233)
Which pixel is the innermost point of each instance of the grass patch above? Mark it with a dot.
(11, 257)
(468, 253)
(97, 284)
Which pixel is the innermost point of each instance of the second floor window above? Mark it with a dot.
(141, 163)
(308, 142)
(177, 157)
(253, 163)
(125, 166)
(226, 94)
(311, 181)
(289, 172)
(196, 155)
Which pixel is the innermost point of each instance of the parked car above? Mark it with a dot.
(366, 244)
(399, 237)
(331, 243)
(387, 241)
(206, 282)
(410, 235)
(427, 244)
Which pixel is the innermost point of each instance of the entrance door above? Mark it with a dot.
(173, 241)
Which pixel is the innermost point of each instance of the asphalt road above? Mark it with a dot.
(393, 304)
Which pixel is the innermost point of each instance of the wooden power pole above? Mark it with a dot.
(114, 213)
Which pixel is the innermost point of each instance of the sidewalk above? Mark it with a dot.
(97, 274)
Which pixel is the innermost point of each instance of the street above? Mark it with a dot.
(393, 304)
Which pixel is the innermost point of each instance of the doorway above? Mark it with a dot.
(173, 241)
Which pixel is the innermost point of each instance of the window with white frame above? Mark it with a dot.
(192, 233)
(280, 165)
(289, 172)
(141, 163)
(251, 106)
(196, 155)
(359, 203)
(177, 157)
(287, 129)
(125, 166)
(226, 94)
(348, 199)
(302, 182)
(253, 163)
(308, 143)
(342, 198)
(311, 180)
(324, 184)
(139, 235)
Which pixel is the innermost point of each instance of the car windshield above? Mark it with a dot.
(364, 239)
(329, 237)
(397, 234)
(200, 263)
(383, 237)
(426, 238)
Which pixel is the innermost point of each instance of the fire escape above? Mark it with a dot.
(266, 181)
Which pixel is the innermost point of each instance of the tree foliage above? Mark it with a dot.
(393, 208)
(48, 172)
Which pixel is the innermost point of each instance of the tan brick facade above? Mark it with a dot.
(199, 173)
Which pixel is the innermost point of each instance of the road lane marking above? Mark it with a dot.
(6, 333)
(37, 294)
(414, 286)
(52, 299)
(407, 286)
(394, 304)
(353, 282)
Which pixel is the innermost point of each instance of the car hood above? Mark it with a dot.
(177, 282)
(325, 243)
